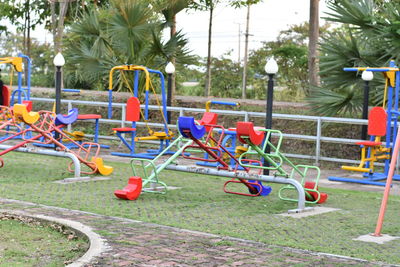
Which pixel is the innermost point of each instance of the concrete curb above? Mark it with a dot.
(97, 244)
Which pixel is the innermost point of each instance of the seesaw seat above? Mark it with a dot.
(209, 118)
(70, 118)
(247, 130)
(101, 168)
(21, 113)
(187, 125)
(132, 190)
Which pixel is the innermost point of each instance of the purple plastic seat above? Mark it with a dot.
(70, 118)
(187, 124)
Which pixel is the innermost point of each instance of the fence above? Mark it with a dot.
(318, 138)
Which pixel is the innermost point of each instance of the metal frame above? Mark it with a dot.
(249, 176)
(241, 116)
(391, 94)
(163, 142)
(75, 160)
(20, 63)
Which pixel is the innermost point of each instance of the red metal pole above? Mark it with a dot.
(387, 187)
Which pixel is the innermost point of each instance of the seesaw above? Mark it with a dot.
(44, 124)
(150, 172)
(252, 137)
(133, 190)
(215, 151)
(151, 181)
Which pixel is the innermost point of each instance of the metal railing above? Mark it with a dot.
(246, 115)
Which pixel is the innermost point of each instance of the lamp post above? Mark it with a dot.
(169, 69)
(58, 61)
(271, 68)
(367, 76)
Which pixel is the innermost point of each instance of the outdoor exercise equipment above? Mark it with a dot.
(163, 136)
(43, 124)
(132, 114)
(213, 147)
(19, 64)
(373, 150)
(376, 129)
(247, 134)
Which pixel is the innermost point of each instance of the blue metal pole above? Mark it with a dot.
(109, 104)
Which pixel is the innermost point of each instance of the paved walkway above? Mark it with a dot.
(135, 243)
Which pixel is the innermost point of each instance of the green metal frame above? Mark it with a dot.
(276, 160)
(150, 178)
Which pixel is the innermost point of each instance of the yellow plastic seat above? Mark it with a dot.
(21, 113)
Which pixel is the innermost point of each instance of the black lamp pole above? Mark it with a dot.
(169, 97)
(268, 116)
(365, 110)
(58, 94)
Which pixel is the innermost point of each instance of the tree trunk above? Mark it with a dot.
(173, 61)
(246, 47)
(28, 36)
(60, 26)
(28, 30)
(53, 22)
(208, 73)
(313, 62)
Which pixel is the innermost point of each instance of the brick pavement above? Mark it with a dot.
(135, 243)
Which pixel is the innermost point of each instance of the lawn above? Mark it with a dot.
(200, 204)
(35, 244)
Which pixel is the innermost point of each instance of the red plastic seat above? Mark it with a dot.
(246, 129)
(6, 96)
(132, 190)
(377, 121)
(132, 114)
(28, 105)
(209, 118)
(314, 195)
(125, 129)
(89, 116)
(369, 143)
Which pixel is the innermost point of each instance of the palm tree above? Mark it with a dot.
(368, 37)
(169, 9)
(126, 32)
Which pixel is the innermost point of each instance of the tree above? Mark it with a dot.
(169, 9)
(291, 52)
(25, 15)
(313, 65)
(368, 37)
(126, 32)
(210, 5)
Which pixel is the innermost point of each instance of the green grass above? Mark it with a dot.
(36, 245)
(201, 205)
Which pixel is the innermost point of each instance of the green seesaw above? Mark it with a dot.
(247, 134)
(150, 171)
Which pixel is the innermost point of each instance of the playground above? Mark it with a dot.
(126, 172)
(207, 183)
(203, 207)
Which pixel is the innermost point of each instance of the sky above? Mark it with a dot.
(266, 20)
